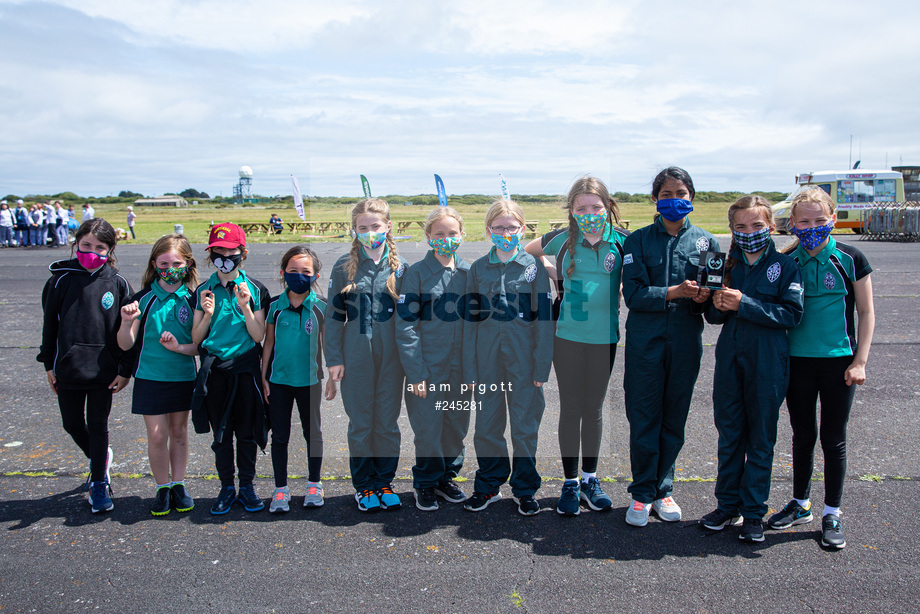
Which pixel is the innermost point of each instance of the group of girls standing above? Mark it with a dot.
(437, 331)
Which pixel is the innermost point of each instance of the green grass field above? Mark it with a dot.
(154, 222)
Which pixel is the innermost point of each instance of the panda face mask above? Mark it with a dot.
(226, 264)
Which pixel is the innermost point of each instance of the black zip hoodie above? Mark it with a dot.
(82, 317)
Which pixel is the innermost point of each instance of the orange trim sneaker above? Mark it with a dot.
(637, 514)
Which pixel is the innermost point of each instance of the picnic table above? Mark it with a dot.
(404, 225)
(320, 227)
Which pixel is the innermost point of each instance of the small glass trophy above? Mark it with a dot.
(711, 270)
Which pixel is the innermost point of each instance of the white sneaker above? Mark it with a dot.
(280, 501)
(637, 514)
(667, 509)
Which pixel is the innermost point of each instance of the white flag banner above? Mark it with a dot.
(298, 198)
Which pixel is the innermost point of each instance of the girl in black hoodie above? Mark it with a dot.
(85, 366)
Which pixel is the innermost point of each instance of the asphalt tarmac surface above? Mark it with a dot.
(57, 556)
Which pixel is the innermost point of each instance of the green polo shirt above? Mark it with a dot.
(590, 309)
(163, 311)
(828, 328)
(296, 359)
(228, 337)
(493, 255)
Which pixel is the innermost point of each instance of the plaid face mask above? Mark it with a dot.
(752, 242)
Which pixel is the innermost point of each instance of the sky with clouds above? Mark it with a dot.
(155, 96)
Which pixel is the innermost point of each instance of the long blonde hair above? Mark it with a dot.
(171, 243)
(372, 206)
(586, 185)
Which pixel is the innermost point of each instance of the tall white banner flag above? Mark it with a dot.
(298, 198)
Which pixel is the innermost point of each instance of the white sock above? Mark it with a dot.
(587, 476)
(805, 503)
(831, 510)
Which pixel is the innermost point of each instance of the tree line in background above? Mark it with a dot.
(423, 200)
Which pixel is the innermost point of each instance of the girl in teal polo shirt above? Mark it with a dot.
(589, 263)
(292, 367)
(157, 325)
(229, 326)
(828, 354)
(360, 344)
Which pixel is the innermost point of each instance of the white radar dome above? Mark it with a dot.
(245, 172)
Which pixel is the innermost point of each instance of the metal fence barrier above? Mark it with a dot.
(895, 222)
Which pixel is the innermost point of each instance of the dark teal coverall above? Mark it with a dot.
(429, 334)
(663, 350)
(508, 343)
(751, 375)
(361, 335)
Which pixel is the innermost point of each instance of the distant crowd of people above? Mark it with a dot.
(46, 223)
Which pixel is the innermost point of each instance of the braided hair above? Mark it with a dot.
(586, 185)
(379, 207)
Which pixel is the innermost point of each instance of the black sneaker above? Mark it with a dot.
(224, 501)
(717, 520)
(527, 505)
(832, 532)
(160, 505)
(250, 500)
(751, 530)
(180, 498)
(100, 497)
(790, 516)
(480, 501)
(450, 491)
(425, 499)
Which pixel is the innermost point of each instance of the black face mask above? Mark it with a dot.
(226, 264)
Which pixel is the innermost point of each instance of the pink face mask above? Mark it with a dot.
(91, 260)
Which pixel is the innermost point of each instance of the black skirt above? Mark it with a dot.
(157, 398)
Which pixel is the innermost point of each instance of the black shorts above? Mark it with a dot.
(157, 398)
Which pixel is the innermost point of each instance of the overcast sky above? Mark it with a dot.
(99, 96)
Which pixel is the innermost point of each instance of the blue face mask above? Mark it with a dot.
(506, 243)
(811, 238)
(674, 209)
(299, 283)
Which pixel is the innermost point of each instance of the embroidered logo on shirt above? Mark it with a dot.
(610, 262)
(627, 259)
(530, 273)
(400, 270)
(108, 299)
(308, 326)
(402, 298)
(773, 272)
(829, 281)
(702, 244)
(183, 314)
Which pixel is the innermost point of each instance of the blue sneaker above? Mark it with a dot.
(389, 500)
(568, 502)
(367, 501)
(594, 496)
(249, 499)
(99, 498)
(224, 501)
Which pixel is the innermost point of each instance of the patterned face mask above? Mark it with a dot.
(811, 238)
(371, 239)
(172, 275)
(591, 223)
(445, 246)
(752, 242)
(506, 243)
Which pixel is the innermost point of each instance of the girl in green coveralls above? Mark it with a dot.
(663, 341)
(292, 369)
(361, 352)
(589, 257)
(157, 324)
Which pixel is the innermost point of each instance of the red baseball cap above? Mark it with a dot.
(227, 235)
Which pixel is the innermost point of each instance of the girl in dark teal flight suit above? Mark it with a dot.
(762, 299)
(507, 355)
(361, 352)
(429, 333)
(663, 341)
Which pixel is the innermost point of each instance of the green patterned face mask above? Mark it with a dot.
(173, 275)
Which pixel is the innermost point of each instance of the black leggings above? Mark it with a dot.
(809, 379)
(89, 427)
(280, 407)
(582, 372)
